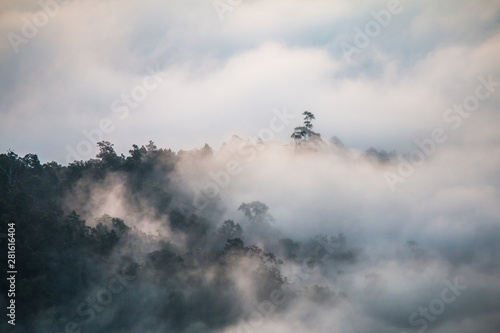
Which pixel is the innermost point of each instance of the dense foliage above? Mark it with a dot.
(64, 262)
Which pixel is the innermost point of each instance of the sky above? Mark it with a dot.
(186, 73)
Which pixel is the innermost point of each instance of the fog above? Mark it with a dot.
(383, 255)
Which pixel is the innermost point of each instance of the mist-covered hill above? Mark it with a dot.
(255, 237)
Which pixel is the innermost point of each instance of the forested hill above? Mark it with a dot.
(189, 271)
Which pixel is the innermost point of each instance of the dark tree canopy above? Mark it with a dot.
(63, 257)
(305, 133)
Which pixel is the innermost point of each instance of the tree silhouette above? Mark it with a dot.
(305, 133)
(107, 154)
(255, 211)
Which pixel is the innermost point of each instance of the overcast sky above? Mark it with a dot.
(225, 68)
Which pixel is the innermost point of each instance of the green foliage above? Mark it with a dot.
(166, 260)
(305, 133)
(255, 211)
(230, 230)
(62, 258)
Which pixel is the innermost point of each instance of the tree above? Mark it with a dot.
(9, 167)
(308, 116)
(107, 154)
(136, 154)
(151, 147)
(32, 162)
(255, 211)
(259, 229)
(336, 141)
(207, 150)
(305, 133)
(230, 230)
(380, 155)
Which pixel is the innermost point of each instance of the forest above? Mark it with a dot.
(301, 235)
(193, 273)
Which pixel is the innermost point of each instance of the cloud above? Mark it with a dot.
(227, 76)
